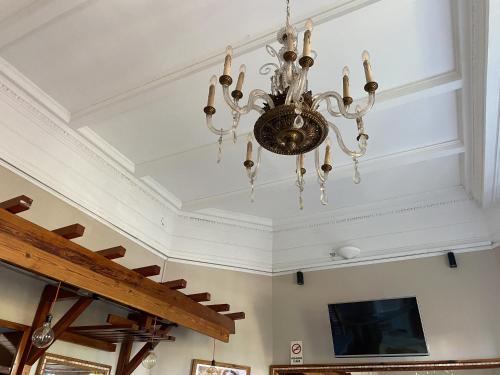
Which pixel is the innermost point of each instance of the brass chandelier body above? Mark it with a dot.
(290, 121)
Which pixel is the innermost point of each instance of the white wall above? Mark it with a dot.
(460, 308)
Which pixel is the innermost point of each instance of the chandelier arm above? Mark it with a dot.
(322, 176)
(213, 129)
(354, 154)
(326, 96)
(252, 98)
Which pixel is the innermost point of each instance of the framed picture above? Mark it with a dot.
(200, 367)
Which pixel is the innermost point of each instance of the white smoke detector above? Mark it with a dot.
(346, 252)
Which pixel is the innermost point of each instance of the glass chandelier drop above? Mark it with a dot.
(291, 118)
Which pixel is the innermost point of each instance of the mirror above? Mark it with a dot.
(52, 364)
(13, 338)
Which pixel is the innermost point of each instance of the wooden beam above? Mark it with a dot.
(148, 271)
(139, 357)
(111, 327)
(124, 357)
(71, 315)
(71, 231)
(17, 204)
(145, 321)
(175, 284)
(22, 343)
(31, 247)
(220, 307)
(113, 252)
(118, 320)
(63, 294)
(89, 342)
(200, 297)
(236, 316)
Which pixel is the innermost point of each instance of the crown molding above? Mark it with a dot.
(38, 144)
(32, 94)
(479, 51)
(397, 254)
(105, 147)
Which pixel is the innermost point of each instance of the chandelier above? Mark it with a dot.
(292, 120)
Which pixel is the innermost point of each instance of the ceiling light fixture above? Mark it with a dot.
(290, 121)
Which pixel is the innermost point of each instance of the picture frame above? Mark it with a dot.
(199, 367)
(50, 361)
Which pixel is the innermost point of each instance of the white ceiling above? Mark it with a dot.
(136, 74)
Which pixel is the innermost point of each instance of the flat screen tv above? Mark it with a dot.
(388, 327)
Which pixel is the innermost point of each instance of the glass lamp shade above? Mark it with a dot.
(43, 336)
(150, 361)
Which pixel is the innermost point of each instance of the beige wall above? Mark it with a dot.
(252, 344)
(460, 308)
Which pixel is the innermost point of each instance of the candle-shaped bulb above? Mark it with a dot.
(365, 56)
(211, 92)
(328, 155)
(306, 51)
(228, 60)
(309, 24)
(249, 150)
(345, 81)
(241, 77)
(367, 66)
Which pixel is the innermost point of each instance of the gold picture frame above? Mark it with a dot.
(198, 367)
(92, 367)
(413, 366)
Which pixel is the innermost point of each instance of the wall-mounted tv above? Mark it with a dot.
(388, 327)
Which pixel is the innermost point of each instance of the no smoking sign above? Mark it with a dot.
(296, 353)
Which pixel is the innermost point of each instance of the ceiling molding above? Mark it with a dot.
(345, 170)
(33, 94)
(38, 145)
(107, 148)
(153, 89)
(394, 206)
(419, 225)
(480, 55)
(457, 247)
(35, 16)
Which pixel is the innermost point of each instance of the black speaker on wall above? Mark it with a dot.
(300, 278)
(452, 261)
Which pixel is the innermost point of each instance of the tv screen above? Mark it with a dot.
(389, 327)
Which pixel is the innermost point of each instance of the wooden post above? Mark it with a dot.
(124, 357)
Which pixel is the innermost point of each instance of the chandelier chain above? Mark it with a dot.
(287, 12)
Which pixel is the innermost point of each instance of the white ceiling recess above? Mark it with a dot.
(133, 77)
